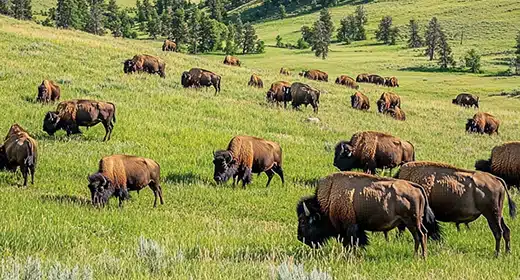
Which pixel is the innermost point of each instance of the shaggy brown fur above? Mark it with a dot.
(391, 82)
(396, 113)
(504, 162)
(277, 94)
(255, 81)
(347, 81)
(48, 91)
(169, 46)
(125, 173)
(483, 123)
(466, 100)
(315, 75)
(198, 77)
(362, 78)
(360, 101)
(19, 149)
(376, 79)
(388, 100)
(285, 71)
(231, 60)
(148, 63)
(303, 94)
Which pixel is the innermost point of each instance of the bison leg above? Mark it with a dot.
(495, 226)
(506, 234)
(458, 226)
(246, 176)
(32, 170)
(278, 170)
(157, 192)
(108, 131)
(25, 172)
(386, 235)
(270, 175)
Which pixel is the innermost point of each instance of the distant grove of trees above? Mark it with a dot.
(19, 9)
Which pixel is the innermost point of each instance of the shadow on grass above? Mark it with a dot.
(64, 138)
(187, 178)
(500, 74)
(66, 199)
(311, 183)
(430, 69)
(513, 94)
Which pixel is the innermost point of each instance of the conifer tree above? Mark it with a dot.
(432, 37)
(444, 50)
(414, 39)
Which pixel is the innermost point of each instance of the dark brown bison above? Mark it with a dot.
(483, 123)
(231, 60)
(466, 100)
(255, 81)
(347, 81)
(72, 114)
(360, 101)
(303, 94)
(246, 155)
(461, 196)
(285, 71)
(504, 162)
(347, 204)
(395, 113)
(48, 91)
(362, 78)
(19, 149)
(315, 75)
(147, 63)
(388, 100)
(169, 46)
(376, 79)
(198, 77)
(279, 92)
(119, 174)
(391, 82)
(369, 150)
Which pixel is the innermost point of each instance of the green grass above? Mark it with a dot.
(211, 232)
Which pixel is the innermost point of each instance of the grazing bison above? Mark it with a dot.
(119, 174)
(483, 123)
(19, 149)
(315, 75)
(360, 101)
(369, 150)
(395, 113)
(461, 196)
(285, 71)
(255, 81)
(376, 79)
(347, 204)
(347, 81)
(231, 60)
(304, 94)
(362, 78)
(504, 162)
(279, 92)
(391, 82)
(72, 114)
(198, 77)
(466, 100)
(48, 91)
(246, 155)
(147, 63)
(169, 46)
(388, 100)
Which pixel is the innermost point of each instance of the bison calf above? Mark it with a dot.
(19, 149)
(48, 91)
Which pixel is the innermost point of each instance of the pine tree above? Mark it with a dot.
(322, 34)
(283, 12)
(472, 61)
(259, 46)
(194, 30)
(64, 13)
(179, 29)
(166, 20)
(230, 40)
(95, 21)
(361, 20)
(239, 33)
(153, 26)
(147, 9)
(307, 34)
(5, 7)
(127, 23)
(414, 40)
(250, 38)
(432, 37)
(21, 9)
(444, 50)
(112, 20)
(394, 34)
(347, 29)
(216, 8)
(279, 43)
(383, 32)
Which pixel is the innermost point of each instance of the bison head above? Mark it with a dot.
(50, 122)
(100, 189)
(129, 66)
(225, 166)
(454, 101)
(471, 126)
(43, 93)
(344, 158)
(269, 96)
(287, 96)
(186, 79)
(314, 228)
(381, 105)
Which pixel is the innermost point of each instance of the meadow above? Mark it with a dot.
(204, 231)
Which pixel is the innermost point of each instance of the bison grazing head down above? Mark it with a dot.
(313, 228)
(42, 93)
(343, 157)
(225, 166)
(471, 126)
(129, 66)
(100, 189)
(381, 105)
(287, 93)
(185, 79)
(50, 123)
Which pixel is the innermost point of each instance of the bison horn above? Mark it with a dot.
(306, 210)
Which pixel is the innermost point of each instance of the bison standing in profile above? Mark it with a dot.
(147, 63)
(362, 78)
(388, 100)
(19, 149)
(483, 123)
(391, 82)
(246, 155)
(461, 196)
(279, 92)
(369, 150)
(48, 91)
(285, 71)
(231, 60)
(255, 81)
(169, 46)
(504, 162)
(347, 204)
(119, 174)
(303, 94)
(315, 75)
(466, 100)
(360, 101)
(198, 77)
(347, 81)
(72, 114)
(376, 79)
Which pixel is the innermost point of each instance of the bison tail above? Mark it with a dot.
(429, 222)
(510, 202)
(114, 105)
(483, 165)
(29, 160)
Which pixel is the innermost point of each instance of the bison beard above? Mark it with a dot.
(226, 167)
(100, 189)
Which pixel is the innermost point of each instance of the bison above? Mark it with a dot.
(279, 92)
(72, 114)
(483, 123)
(369, 150)
(315, 75)
(169, 46)
(466, 100)
(461, 196)
(391, 82)
(388, 100)
(119, 174)
(19, 149)
(347, 204)
(360, 101)
(396, 113)
(48, 91)
(255, 81)
(362, 78)
(376, 79)
(231, 60)
(285, 71)
(304, 94)
(504, 162)
(246, 155)
(147, 63)
(347, 81)
(198, 77)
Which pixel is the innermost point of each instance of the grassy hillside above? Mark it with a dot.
(217, 232)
